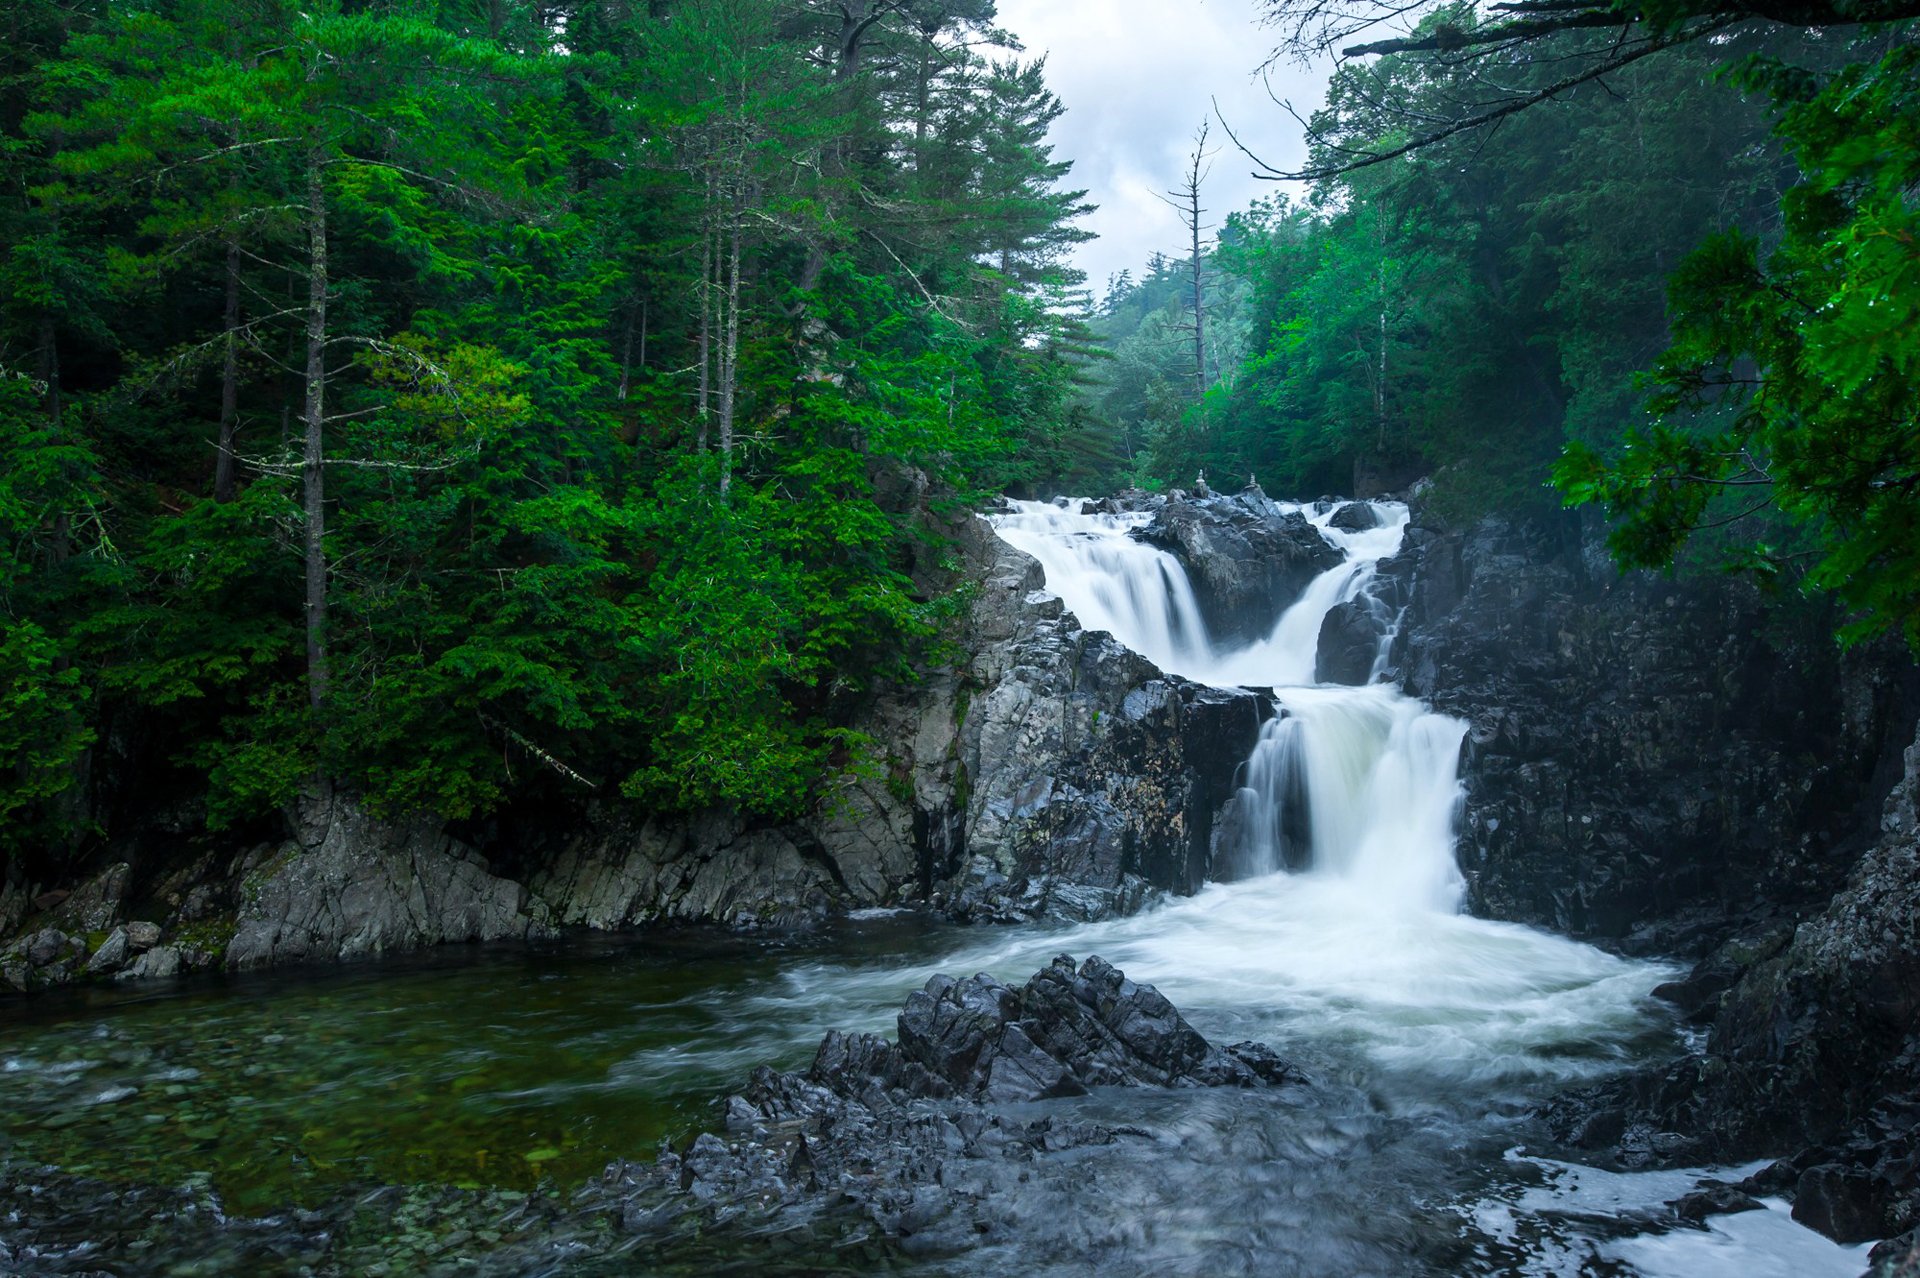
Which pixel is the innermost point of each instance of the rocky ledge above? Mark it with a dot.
(925, 1138)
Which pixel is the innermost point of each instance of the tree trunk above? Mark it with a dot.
(1380, 385)
(730, 354)
(706, 308)
(1199, 295)
(223, 468)
(313, 467)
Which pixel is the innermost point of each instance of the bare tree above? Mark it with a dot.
(1568, 44)
(1185, 200)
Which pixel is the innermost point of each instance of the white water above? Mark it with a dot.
(1358, 788)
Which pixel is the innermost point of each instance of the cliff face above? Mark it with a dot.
(1653, 760)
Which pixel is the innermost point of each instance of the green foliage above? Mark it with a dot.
(1791, 388)
(536, 584)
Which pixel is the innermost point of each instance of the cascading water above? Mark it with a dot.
(1356, 789)
(1353, 783)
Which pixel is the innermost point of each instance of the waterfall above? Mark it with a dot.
(1358, 785)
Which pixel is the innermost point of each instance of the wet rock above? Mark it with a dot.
(1655, 760)
(1819, 1034)
(1248, 562)
(914, 1138)
(1349, 645)
(1698, 995)
(1714, 1199)
(1067, 1030)
(1844, 1203)
(1896, 1257)
(1355, 516)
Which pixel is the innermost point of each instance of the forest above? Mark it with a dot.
(612, 663)
(450, 400)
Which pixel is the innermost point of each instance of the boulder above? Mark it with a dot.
(1349, 644)
(1846, 1204)
(1247, 560)
(112, 954)
(1355, 516)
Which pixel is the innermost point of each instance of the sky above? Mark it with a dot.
(1137, 78)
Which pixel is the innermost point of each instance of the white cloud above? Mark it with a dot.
(1137, 78)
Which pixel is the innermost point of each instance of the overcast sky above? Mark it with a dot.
(1137, 78)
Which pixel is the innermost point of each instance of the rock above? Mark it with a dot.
(1896, 1257)
(353, 886)
(1248, 562)
(142, 937)
(1349, 645)
(1714, 1199)
(1844, 1203)
(112, 954)
(157, 963)
(1355, 516)
(1065, 1031)
(914, 1135)
(46, 945)
(15, 904)
(1819, 1031)
(94, 906)
(1653, 760)
(624, 869)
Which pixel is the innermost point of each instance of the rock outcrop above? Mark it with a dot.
(914, 1137)
(1247, 561)
(1660, 761)
(351, 885)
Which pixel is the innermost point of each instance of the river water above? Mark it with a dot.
(522, 1070)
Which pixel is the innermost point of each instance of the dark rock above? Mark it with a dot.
(1822, 1030)
(1355, 516)
(1896, 1257)
(1714, 1199)
(1643, 750)
(1844, 1203)
(912, 1138)
(1697, 996)
(1065, 1031)
(1248, 562)
(45, 946)
(1349, 644)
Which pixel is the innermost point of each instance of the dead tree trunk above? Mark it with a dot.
(1185, 200)
(313, 464)
(223, 467)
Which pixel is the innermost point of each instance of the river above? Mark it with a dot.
(504, 1076)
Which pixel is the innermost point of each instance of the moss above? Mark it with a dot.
(208, 936)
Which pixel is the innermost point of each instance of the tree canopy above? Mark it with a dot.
(473, 403)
